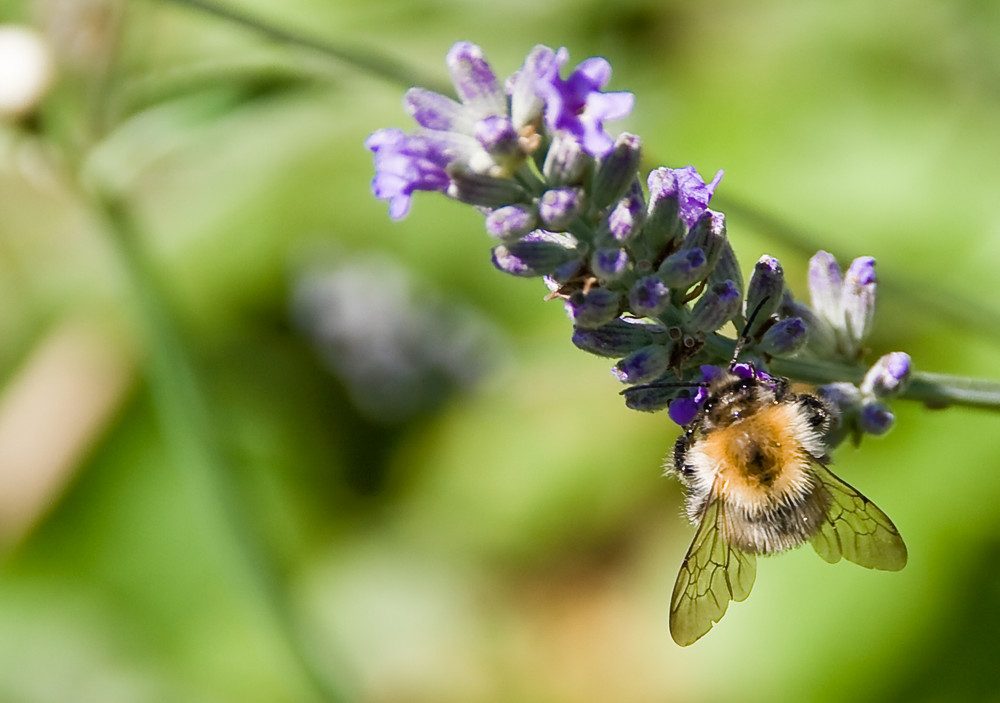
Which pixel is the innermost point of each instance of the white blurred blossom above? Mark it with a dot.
(26, 70)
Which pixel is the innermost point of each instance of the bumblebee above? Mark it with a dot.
(754, 464)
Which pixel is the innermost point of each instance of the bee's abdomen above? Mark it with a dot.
(776, 528)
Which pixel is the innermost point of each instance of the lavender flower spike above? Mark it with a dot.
(577, 104)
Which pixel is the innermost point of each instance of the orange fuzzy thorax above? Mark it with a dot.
(760, 460)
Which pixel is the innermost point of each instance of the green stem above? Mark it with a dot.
(366, 58)
(935, 390)
(185, 421)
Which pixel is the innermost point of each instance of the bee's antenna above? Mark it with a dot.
(744, 337)
(679, 384)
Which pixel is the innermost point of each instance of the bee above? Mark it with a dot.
(755, 467)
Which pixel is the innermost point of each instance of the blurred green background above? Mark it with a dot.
(259, 443)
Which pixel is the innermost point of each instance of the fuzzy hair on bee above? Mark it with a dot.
(754, 464)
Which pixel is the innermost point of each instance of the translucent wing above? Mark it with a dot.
(713, 573)
(856, 529)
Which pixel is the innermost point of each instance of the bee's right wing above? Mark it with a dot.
(713, 573)
(856, 529)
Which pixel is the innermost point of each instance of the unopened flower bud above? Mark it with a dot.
(875, 418)
(511, 221)
(717, 306)
(566, 161)
(616, 171)
(888, 377)
(596, 307)
(858, 299)
(480, 189)
(497, 137)
(784, 338)
(643, 365)
(825, 288)
(609, 264)
(649, 399)
(626, 219)
(767, 283)
(615, 339)
(708, 234)
(538, 254)
(558, 207)
(683, 268)
(820, 337)
(727, 268)
(844, 397)
(663, 225)
(677, 198)
(648, 296)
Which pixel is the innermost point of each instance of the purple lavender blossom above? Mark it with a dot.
(685, 187)
(485, 134)
(404, 164)
(577, 105)
(684, 409)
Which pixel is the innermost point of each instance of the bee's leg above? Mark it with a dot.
(820, 415)
(680, 466)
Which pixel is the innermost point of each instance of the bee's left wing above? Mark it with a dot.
(713, 573)
(856, 529)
